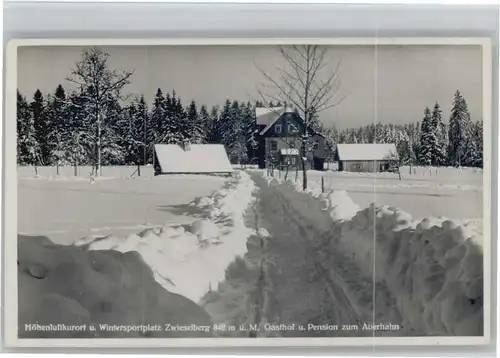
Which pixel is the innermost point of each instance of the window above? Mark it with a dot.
(293, 160)
(278, 128)
(274, 145)
(292, 128)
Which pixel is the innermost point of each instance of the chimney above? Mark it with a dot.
(186, 145)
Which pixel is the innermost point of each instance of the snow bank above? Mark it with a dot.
(432, 268)
(191, 259)
(60, 284)
(341, 205)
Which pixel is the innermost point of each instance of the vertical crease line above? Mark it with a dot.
(375, 119)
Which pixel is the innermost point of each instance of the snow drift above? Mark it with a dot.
(191, 259)
(112, 292)
(432, 269)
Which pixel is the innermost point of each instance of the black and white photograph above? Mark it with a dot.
(252, 191)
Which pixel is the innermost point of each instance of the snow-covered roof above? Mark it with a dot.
(289, 151)
(367, 151)
(265, 115)
(199, 158)
(273, 114)
(259, 111)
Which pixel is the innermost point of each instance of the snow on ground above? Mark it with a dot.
(83, 171)
(432, 268)
(64, 284)
(421, 194)
(192, 259)
(67, 208)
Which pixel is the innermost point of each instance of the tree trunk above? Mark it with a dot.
(57, 168)
(98, 164)
(304, 169)
(138, 169)
(36, 169)
(76, 169)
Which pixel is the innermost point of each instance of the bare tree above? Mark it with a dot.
(308, 82)
(99, 85)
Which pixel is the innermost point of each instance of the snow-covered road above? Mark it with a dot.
(306, 290)
(290, 286)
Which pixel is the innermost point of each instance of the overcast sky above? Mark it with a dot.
(390, 85)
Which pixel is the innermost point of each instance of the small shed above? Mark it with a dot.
(189, 158)
(366, 157)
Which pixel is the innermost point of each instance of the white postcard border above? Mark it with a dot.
(10, 201)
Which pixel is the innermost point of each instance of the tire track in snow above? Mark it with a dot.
(260, 297)
(349, 292)
(280, 218)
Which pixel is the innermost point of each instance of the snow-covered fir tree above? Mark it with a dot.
(27, 146)
(195, 125)
(215, 130)
(158, 117)
(428, 139)
(204, 120)
(142, 122)
(41, 122)
(439, 149)
(478, 139)
(60, 128)
(133, 121)
(175, 128)
(234, 136)
(248, 128)
(459, 132)
(224, 124)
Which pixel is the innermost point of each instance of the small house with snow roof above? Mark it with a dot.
(187, 158)
(366, 157)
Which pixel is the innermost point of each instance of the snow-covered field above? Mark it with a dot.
(427, 192)
(67, 208)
